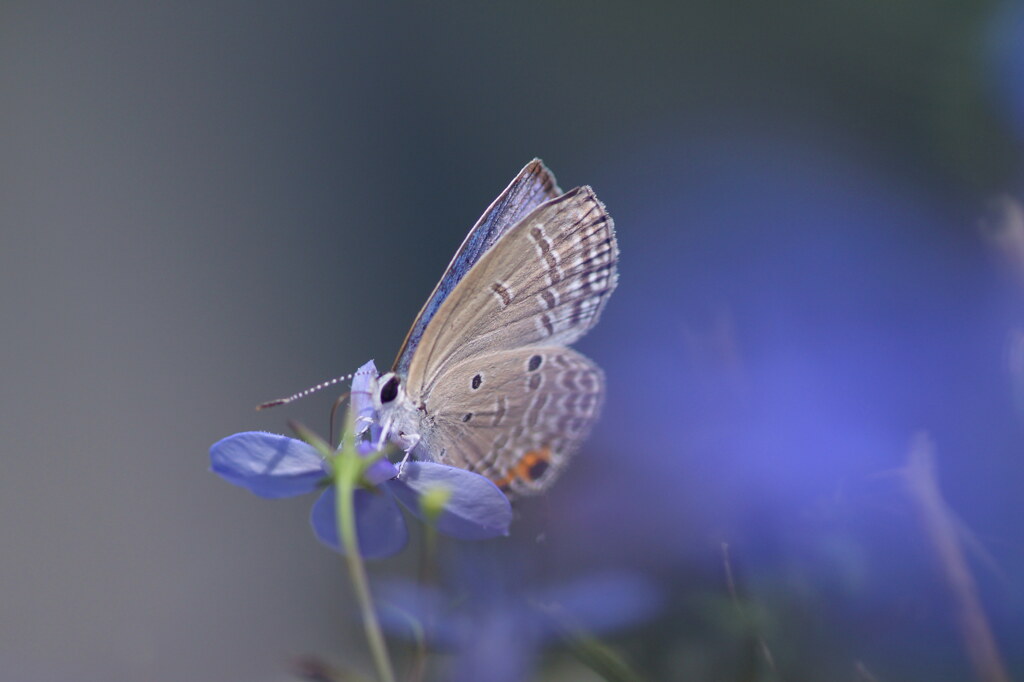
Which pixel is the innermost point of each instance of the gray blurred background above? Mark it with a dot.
(208, 205)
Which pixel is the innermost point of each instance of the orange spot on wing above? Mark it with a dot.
(529, 468)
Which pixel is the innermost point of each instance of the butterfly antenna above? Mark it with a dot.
(302, 394)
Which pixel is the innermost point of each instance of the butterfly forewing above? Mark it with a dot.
(532, 187)
(544, 282)
(515, 416)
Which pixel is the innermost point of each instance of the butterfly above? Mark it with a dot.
(485, 379)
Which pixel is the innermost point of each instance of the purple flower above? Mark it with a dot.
(362, 400)
(275, 466)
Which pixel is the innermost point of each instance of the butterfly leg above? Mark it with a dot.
(412, 441)
(363, 423)
(385, 433)
(401, 465)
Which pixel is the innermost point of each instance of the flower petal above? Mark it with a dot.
(380, 526)
(477, 509)
(381, 470)
(267, 464)
(362, 396)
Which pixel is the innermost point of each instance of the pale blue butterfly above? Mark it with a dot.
(485, 380)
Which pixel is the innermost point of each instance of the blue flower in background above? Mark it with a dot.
(275, 466)
(497, 631)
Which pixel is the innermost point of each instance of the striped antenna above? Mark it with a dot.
(302, 394)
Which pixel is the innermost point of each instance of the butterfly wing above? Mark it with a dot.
(514, 416)
(544, 282)
(532, 187)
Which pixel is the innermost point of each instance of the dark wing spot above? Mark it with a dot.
(389, 391)
(534, 363)
(535, 382)
(477, 380)
(502, 292)
(466, 417)
(537, 469)
(546, 321)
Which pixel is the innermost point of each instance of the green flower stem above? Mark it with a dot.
(589, 650)
(347, 471)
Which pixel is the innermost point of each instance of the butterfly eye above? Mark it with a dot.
(389, 391)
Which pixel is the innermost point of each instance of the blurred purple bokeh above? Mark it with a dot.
(207, 206)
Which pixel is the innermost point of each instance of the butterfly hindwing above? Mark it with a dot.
(544, 282)
(534, 185)
(514, 416)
